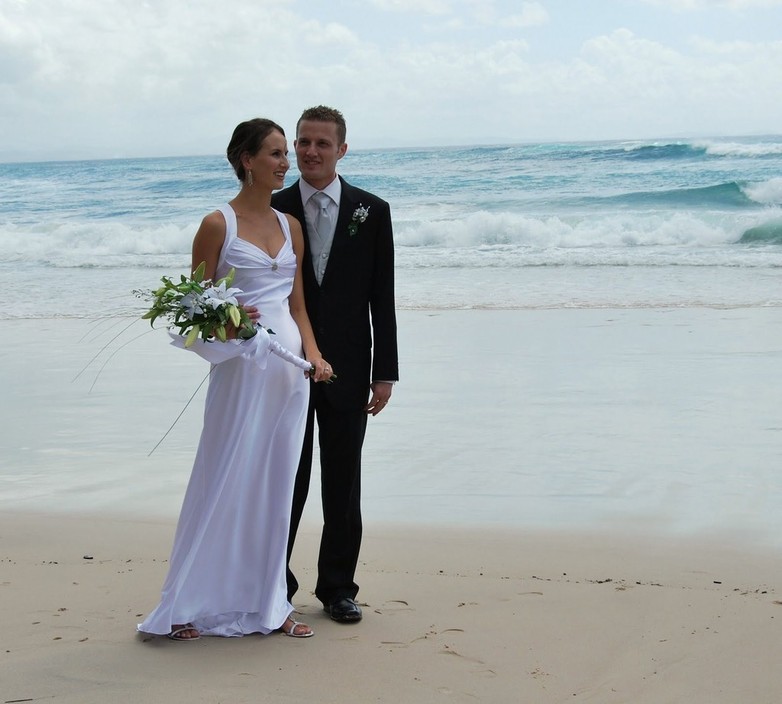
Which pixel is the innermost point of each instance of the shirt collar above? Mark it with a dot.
(333, 190)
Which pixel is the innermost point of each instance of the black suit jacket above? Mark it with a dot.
(358, 283)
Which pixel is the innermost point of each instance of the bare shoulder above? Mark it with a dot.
(212, 228)
(295, 227)
(214, 222)
(293, 222)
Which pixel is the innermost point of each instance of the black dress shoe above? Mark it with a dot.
(343, 609)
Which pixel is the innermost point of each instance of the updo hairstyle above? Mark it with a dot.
(248, 138)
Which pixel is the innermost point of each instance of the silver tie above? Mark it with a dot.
(323, 219)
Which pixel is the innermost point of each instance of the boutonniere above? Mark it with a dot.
(359, 215)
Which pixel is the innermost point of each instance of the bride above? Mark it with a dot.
(227, 568)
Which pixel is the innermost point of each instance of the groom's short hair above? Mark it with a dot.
(322, 113)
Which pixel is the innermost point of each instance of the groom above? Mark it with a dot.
(348, 274)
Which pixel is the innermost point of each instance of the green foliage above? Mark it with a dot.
(197, 308)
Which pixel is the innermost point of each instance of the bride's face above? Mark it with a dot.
(270, 164)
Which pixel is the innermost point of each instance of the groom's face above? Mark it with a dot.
(317, 152)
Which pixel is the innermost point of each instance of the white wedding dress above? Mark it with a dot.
(227, 569)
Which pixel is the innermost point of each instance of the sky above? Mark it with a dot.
(84, 79)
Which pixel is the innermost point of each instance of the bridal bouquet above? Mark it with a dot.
(199, 308)
(201, 311)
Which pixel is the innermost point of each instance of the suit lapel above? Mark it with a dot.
(347, 204)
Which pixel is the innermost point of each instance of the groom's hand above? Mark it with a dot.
(381, 393)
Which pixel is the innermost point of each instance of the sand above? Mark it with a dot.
(450, 615)
(565, 505)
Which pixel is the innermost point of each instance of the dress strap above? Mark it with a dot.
(284, 225)
(231, 226)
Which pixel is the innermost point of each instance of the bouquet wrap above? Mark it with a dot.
(256, 349)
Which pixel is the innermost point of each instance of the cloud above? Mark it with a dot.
(426, 7)
(734, 49)
(715, 87)
(482, 11)
(619, 85)
(112, 78)
(124, 72)
(738, 5)
(532, 14)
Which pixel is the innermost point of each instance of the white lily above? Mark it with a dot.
(217, 296)
(193, 305)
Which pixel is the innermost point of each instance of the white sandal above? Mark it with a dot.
(292, 630)
(177, 631)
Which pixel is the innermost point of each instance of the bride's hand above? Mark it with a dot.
(252, 313)
(323, 370)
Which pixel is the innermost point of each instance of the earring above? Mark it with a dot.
(249, 180)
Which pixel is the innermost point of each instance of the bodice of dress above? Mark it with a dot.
(265, 281)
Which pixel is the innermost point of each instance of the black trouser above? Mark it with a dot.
(340, 436)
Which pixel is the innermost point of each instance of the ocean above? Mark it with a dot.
(656, 223)
(589, 335)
